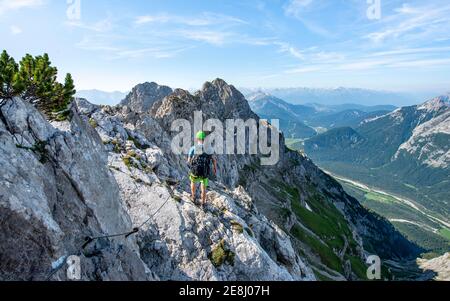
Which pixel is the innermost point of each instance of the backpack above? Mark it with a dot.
(200, 165)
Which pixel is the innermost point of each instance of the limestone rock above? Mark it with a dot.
(143, 96)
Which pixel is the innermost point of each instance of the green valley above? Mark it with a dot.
(416, 225)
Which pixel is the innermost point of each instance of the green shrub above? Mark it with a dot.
(35, 80)
(127, 161)
(220, 255)
(116, 146)
(131, 159)
(93, 122)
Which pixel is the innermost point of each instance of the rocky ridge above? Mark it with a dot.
(111, 168)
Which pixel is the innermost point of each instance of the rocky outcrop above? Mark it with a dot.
(143, 96)
(55, 195)
(428, 144)
(230, 240)
(440, 266)
(234, 105)
(111, 169)
(56, 189)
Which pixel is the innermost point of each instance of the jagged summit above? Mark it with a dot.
(216, 98)
(234, 103)
(217, 83)
(143, 96)
(436, 104)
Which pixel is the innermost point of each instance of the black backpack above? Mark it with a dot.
(200, 165)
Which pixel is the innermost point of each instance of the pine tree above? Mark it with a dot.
(39, 78)
(35, 80)
(8, 77)
(69, 90)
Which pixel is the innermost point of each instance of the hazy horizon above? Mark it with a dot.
(406, 98)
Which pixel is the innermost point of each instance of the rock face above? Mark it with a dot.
(111, 169)
(428, 143)
(143, 96)
(55, 190)
(440, 266)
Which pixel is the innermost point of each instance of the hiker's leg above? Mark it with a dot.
(205, 183)
(193, 189)
(203, 193)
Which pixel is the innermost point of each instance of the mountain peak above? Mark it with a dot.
(143, 96)
(436, 104)
(233, 101)
(218, 82)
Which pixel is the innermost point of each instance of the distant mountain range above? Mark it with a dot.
(305, 121)
(291, 117)
(339, 96)
(350, 106)
(406, 152)
(306, 96)
(102, 97)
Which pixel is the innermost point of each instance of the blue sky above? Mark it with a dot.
(274, 43)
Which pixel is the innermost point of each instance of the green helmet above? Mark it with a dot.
(201, 135)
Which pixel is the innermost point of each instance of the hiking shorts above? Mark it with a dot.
(196, 180)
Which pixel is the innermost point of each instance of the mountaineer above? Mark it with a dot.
(199, 160)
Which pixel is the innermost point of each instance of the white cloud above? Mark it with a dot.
(287, 48)
(9, 5)
(152, 19)
(216, 38)
(115, 47)
(206, 19)
(307, 69)
(366, 64)
(96, 43)
(295, 7)
(311, 54)
(408, 51)
(433, 21)
(100, 26)
(211, 28)
(361, 65)
(255, 41)
(407, 9)
(329, 57)
(422, 63)
(15, 30)
(155, 52)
